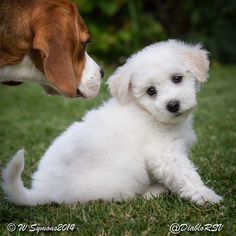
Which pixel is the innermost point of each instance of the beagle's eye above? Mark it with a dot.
(87, 42)
(151, 91)
(176, 79)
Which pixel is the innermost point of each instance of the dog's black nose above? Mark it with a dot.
(173, 106)
(101, 72)
(79, 94)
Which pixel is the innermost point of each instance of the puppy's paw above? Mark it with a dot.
(205, 196)
(154, 191)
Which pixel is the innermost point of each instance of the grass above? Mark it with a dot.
(31, 120)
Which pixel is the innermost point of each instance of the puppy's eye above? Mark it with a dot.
(151, 91)
(176, 79)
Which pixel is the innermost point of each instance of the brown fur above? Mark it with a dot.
(51, 32)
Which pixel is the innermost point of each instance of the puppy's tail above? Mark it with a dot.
(13, 185)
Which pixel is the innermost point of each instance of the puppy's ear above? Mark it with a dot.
(196, 60)
(120, 84)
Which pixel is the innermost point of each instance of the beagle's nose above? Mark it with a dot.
(101, 72)
(79, 94)
(173, 106)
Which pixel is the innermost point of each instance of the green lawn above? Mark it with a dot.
(32, 120)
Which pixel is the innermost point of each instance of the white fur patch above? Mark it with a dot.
(25, 71)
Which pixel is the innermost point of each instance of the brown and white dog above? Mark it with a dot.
(44, 41)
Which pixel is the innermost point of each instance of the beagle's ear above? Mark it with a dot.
(57, 59)
(196, 61)
(120, 84)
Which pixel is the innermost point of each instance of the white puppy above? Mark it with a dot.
(137, 143)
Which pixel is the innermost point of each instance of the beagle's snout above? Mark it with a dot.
(173, 106)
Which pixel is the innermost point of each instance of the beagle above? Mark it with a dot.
(44, 41)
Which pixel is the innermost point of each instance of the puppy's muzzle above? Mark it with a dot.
(173, 106)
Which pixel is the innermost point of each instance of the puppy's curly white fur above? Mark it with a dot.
(137, 143)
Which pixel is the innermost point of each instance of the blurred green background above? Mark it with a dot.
(121, 27)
